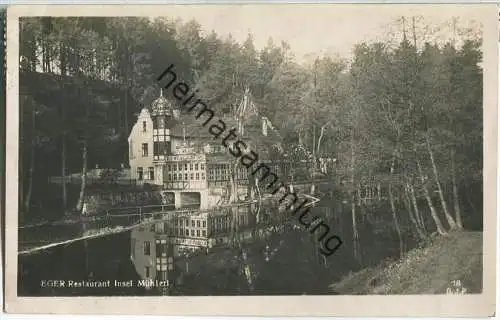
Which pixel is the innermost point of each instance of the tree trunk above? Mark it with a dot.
(63, 157)
(456, 203)
(469, 200)
(62, 58)
(126, 113)
(27, 199)
(353, 208)
(393, 207)
(79, 205)
(49, 60)
(413, 217)
(33, 58)
(435, 217)
(358, 191)
(418, 214)
(233, 196)
(63, 172)
(447, 214)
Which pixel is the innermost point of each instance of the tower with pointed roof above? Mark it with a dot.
(162, 116)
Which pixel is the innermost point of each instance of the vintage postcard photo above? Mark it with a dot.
(252, 159)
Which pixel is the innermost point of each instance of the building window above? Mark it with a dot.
(146, 271)
(185, 166)
(195, 166)
(192, 176)
(144, 126)
(144, 149)
(202, 176)
(163, 275)
(139, 173)
(187, 232)
(204, 224)
(191, 166)
(197, 176)
(160, 148)
(168, 167)
(202, 166)
(192, 233)
(158, 249)
(198, 223)
(147, 248)
(197, 233)
(156, 147)
(169, 177)
(151, 173)
(192, 223)
(204, 232)
(185, 176)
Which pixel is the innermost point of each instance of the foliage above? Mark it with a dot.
(404, 116)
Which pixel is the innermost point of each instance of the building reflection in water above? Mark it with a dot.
(161, 252)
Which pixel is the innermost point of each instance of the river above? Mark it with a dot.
(259, 256)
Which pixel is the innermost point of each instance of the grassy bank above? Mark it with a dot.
(426, 270)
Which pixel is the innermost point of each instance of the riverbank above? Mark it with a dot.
(431, 269)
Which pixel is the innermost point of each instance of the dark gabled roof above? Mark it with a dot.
(192, 129)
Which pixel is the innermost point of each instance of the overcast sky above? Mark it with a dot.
(315, 28)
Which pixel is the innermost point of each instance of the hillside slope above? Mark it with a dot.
(427, 270)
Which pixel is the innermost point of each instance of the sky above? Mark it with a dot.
(317, 29)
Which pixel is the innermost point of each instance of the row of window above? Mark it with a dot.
(180, 231)
(222, 172)
(185, 167)
(161, 248)
(194, 223)
(161, 147)
(164, 263)
(161, 227)
(186, 176)
(187, 232)
(141, 175)
(159, 124)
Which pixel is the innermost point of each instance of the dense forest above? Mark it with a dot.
(403, 116)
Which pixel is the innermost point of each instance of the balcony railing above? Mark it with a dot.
(97, 181)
